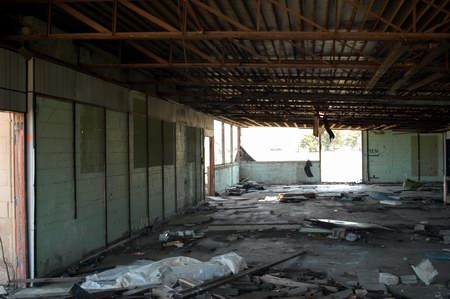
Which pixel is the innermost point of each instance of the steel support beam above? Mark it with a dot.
(244, 35)
(312, 64)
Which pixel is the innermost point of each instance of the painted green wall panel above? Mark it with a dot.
(117, 175)
(138, 191)
(63, 239)
(393, 157)
(55, 223)
(154, 142)
(90, 176)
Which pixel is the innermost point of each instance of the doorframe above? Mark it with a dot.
(20, 206)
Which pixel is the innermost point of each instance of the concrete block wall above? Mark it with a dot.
(91, 189)
(392, 157)
(286, 172)
(226, 175)
(117, 171)
(90, 177)
(56, 227)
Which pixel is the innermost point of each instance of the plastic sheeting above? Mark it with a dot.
(166, 271)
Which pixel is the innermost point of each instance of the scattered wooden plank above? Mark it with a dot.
(254, 227)
(215, 283)
(260, 295)
(79, 293)
(140, 290)
(339, 295)
(49, 280)
(292, 283)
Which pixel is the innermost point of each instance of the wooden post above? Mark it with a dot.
(211, 177)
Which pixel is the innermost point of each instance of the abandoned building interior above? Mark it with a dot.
(224, 149)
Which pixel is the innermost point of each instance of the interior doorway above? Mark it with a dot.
(12, 198)
(341, 157)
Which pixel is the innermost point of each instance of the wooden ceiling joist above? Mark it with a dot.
(368, 64)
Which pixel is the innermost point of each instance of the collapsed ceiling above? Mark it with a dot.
(368, 65)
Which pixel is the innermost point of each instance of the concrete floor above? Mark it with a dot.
(388, 251)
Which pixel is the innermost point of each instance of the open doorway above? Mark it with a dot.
(341, 157)
(12, 198)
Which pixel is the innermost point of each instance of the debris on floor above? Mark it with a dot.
(295, 197)
(242, 187)
(388, 279)
(367, 257)
(178, 238)
(411, 185)
(332, 223)
(166, 272)
(425, 271)
(382, 196)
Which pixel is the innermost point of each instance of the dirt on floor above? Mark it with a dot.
(261, 229)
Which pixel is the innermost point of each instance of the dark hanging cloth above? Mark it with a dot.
(316, 126)
(327, 127)
(307, 169)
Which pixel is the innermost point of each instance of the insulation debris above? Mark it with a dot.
(166, 272)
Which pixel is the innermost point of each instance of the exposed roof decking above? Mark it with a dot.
(365, 64)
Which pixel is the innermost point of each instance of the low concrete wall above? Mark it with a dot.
(226, 176)
(286, 172)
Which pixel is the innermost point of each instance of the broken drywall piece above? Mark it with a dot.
(390, 202)
(369, 280)
(425, 271)
(388, 279)
(381, 195)
(408, 279)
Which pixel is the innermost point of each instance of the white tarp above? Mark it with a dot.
(166, 271)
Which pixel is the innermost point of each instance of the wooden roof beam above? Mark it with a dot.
(245, 35)
(429, 58)
(377, 16)
(393, 56)
(428, 80)
(83, 18)
(147, 15)
(221, 15)
(146, 51)
(311, 64)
